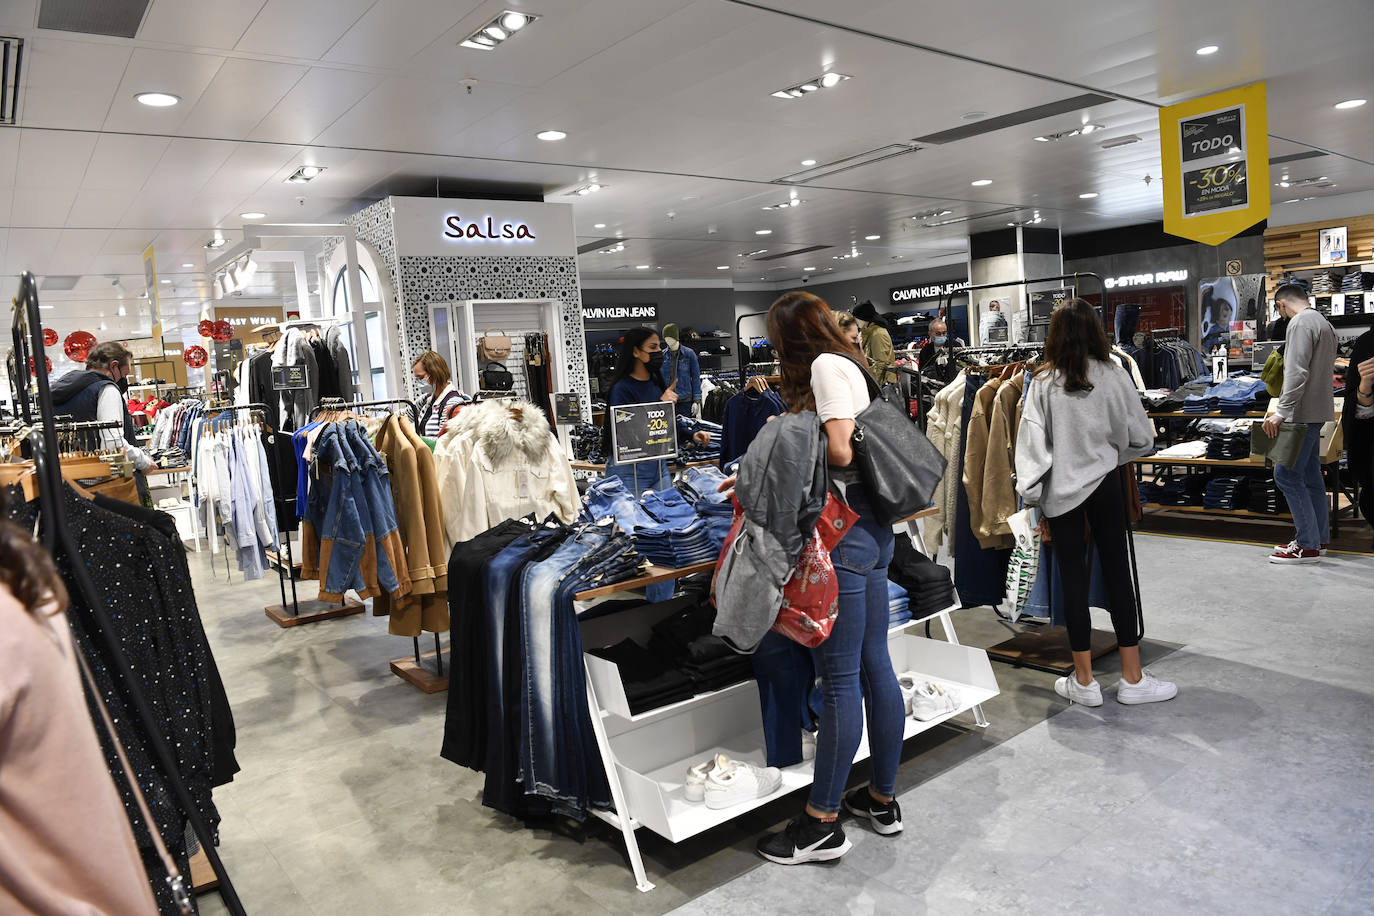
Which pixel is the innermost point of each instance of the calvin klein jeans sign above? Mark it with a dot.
(486, 229)
(901, 294)
(619, 312)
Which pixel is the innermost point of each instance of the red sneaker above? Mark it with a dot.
(1295, 554)
(1322, 550)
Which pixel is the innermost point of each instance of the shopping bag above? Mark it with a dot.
(1024, 564)
(811, 596)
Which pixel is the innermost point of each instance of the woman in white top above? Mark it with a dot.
(431, 371)
(820, 372)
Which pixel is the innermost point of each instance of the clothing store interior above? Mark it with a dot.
(622, 456)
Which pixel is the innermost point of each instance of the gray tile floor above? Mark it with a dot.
(1251, 793)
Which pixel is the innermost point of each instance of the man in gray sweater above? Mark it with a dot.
(1309, 356)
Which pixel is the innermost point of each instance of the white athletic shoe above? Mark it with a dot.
(933, 700)
(740, 782)
(907, 680)
(694, 788)
(808, 745)
(1074, 692)
(1149, 689)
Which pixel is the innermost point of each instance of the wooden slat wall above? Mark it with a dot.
(1289, 247)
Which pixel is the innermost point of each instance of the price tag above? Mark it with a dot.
(567, 409)
(643, 432)
(290, 378)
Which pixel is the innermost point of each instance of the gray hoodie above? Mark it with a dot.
(1069, 441)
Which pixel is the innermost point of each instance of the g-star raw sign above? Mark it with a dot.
(619, 312)
(487, 230)
(1163, 276)
(931, 291)
(1215, 150)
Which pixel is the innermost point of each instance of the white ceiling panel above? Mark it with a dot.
(48, 159)
(301, 29)
(413, 114)
(187, 165)
(240, 96)
(69, 82)
(199, 23)
(30, 249)
(9, 156)
(82, 244)
(18, 15)
(393, 31)
(101, 206)
(314, 103)
(180, 73)
(121, 162)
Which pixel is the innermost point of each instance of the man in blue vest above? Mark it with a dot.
(97, 393)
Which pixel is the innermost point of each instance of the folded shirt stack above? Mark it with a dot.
(929, 586)
(1227, 493)
(1323, 284)
(1166, 492)
(1231, 446)
(1265, 496)
(684, 641)
(1194, 449)
(650, 682)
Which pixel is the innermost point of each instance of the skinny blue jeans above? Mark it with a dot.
(1305, 491)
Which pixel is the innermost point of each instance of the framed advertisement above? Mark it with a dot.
(643, 432)
(1333, 245)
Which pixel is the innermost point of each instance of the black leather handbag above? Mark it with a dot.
(898, 465)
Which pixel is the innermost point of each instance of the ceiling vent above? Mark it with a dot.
(12, 53)
(1297, 157)
(859, 160)
(115, 18)
(59, 282)
(1025, 116)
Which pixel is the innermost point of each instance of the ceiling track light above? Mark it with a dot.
(497, 31)
(584, 190)
(216, 243)
(1115, 142)
(305, 173)
(786, 204)
(1076, 132)
(932, 214)
(809, 87)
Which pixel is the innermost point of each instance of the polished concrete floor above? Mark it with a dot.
(1250, 793)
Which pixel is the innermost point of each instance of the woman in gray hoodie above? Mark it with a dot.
(1081, 422)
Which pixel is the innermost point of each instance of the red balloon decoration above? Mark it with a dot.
(78, 345)
(206, 327)
(195, 357)
(47, 362)
(223, 331)
(49, 337)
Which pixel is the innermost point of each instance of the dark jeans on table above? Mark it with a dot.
(856, 668)
(1105, 512)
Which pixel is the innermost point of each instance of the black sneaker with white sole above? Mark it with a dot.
(805, 840)
(885, 818)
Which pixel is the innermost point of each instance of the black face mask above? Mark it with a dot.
(123, 385)
(655, 360)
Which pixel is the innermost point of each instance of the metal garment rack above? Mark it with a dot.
(56, 533)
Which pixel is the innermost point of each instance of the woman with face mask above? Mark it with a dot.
(433, 376)
(638, 379)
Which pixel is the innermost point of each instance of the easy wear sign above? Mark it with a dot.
(1216, 164)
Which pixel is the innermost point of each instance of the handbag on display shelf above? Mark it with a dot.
(898, 465)
(494, 345)
(811, 597)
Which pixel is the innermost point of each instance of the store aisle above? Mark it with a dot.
(1249, 793)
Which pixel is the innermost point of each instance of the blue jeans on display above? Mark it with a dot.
(788, 700)
(645, 475)
(1306, 491)
(980, 575)
(855, 667)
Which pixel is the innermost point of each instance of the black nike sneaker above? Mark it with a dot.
(885, 818)
(805, 840)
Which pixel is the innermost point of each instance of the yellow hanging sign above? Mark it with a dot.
(150, 279)
(1216, 164)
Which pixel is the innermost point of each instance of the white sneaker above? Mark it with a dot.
(1074, 692)
(933, 700)
(907, 681)
(1149, 689)
(694, 787)
(740, 782)
(808, 745)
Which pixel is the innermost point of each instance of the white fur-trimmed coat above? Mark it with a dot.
(499, 460)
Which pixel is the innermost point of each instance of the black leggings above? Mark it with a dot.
(1105, 512)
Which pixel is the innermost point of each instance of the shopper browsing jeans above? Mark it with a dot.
(1358, 417)
(1308, 357)
(820, 374)
(1081, 422)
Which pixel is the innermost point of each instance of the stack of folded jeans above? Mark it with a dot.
(650, 682)
(1229, 446)
(1265, 496)
(898, 605)
(1226, 492)
(701, 487)
(1197, 404)
(688, 450)
(684, 640)
(676, 546)
(929, 586)
(1176, 491)
(1233, 396)
(609, 496)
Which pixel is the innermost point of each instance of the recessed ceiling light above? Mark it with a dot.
(252, 214)
(1207, 49)
(763, 231)
(188, 302)
(217, 243)
(552, 135)
(872, 238)
(641, 267)
(1087, 128)
(831, 80)
(975, 115)
(599, 226)
(164, 281)
(497, 30)
(305, 173)
(824, 81)
(723, 267)
(1350, 103)
(513, 21)
(1042, 139)
(981, 182)
(808, 268)
(158, 99)
(809, 87)
(1087, 195)
(1283, 184)
(808, 162)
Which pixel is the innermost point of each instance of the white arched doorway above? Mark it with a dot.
(378, 308)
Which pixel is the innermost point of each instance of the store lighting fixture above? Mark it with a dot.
(305, 173)
(188, 302)
(216, 243)
(552, 135)
(932, 214)
(981, 182)
(122, 311)
(1349, 103)
(157, 99)
(808, 268)
(498, 30)
(1115, 142)
(641, 267)
(599, 226)
(756, 251)
(252, 214)
(1087, 195)
(188, 266)
(872, 238)
(1207, 50)
(786, 204)
(808, 162)
(584, 190)
(824, 81)
(614, 249)
(1077, 131)
(723, 267)
(164, 281)
(763, 231)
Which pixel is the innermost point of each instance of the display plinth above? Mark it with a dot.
(275, 560)
(202, 875)
(419, 676)
(313, 612)
(1048, 649)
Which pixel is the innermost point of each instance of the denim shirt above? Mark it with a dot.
(356, 507)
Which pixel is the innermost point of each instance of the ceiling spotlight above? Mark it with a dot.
(1042, 139)
(1205, 50)
(1087, 128)
(981, 182)
(552, 135)
(305, 173)
(831, 80)
(216, 242)
(497, 30)
(252, 214)
(808, 162)
(824, 81)
(763, 231)
(781, 94)
(1350, 103)
(723, 267)
(157, 99)
(872, 238)
(809, 87)
(188, 302)
(188, 265)
(641, 267)
(599, 226)
(808, 268)
(796, 93)
(1088, 195)
(164, 281)
(1283, 184)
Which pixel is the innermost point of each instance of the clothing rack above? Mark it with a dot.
(341, 404)
(1165, 334)
(53, 523)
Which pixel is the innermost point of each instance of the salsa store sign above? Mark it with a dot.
(899, 295)
(449, 227)
(486, 229)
